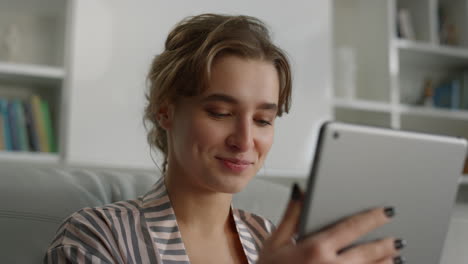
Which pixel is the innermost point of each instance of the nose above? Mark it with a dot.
(241, 138)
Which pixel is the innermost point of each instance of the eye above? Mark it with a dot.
(216, 114)
(262, 122)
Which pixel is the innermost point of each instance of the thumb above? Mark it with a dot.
(288, 225)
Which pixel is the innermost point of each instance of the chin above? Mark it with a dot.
(230, 183)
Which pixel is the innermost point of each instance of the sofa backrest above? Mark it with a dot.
(34, 200)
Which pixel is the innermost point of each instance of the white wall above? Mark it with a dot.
(113, 42)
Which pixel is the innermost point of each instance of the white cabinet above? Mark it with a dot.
(382, 71)
(390, 70)
(32, 62)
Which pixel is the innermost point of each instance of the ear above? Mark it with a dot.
(165, 115)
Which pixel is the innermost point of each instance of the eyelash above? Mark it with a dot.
(222, 115)
(263, 122)
(218, 115)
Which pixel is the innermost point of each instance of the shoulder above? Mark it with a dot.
(259, 225)
(98, 230)
(103, 217)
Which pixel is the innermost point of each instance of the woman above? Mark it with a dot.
(214, 95)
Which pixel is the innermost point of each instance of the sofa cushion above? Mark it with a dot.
(34, 200)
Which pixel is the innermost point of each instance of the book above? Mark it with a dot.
(39, 123)
(14, 130)
(6, 124)
(30, 127)
(405, 25)
(21, 122)
(2, 135)
(447, 95)
(48, 126)
(464, 91)
(3, 142)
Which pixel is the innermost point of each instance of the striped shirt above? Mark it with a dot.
(143, 230)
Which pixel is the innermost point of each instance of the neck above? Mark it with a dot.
(198, 209)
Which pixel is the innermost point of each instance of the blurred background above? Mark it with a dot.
(72, 74)
(85, 62)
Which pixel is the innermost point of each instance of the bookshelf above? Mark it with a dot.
(381, 69)
(33, 38)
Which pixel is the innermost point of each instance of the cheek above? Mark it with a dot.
(205, 133)
(265, 141)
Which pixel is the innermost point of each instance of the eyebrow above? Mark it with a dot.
(231, 100)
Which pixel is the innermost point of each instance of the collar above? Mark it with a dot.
(164, 230)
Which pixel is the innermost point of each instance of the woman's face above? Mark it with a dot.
(219, 139)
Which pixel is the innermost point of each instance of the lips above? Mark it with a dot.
(235, 165)
(236, 161)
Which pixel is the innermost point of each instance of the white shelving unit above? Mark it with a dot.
(363, 105)
(379, 77)
(461, 115)
(33, 39)
(34, 157)
(16, 70)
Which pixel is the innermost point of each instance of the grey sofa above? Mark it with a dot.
(35, 199)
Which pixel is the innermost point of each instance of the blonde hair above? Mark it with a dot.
(183, 68)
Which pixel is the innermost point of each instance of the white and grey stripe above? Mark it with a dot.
(143, 230)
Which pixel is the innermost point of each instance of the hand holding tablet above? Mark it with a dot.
(357, 168)
(327, 245)
(359, 176)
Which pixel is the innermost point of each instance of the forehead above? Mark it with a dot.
(248, 80)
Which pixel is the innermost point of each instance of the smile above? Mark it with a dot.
(234, 165)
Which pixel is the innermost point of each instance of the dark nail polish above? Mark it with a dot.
(296, 193)
(400, 244)
(399, 260)
(389, 212)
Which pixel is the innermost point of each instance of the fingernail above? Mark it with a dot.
(399, 260)
(389, 212)
(296, 192)
(400, 244)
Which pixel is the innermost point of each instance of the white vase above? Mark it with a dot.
(12, 43)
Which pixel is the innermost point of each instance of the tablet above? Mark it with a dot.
(358, 168)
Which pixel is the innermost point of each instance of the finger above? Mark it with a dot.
(392, 260)
(372, 252)
(349, 230)
(385, 261)
(288, 225)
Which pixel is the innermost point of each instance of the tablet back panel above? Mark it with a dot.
(358, 168)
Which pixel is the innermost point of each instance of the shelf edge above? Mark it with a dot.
(363, 105)
(433, 112)
(30, 70)
(18, 156)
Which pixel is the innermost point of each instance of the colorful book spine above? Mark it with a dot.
(48, 126)
(2, 134)
(464, 92)
(464, 98)
(21, 122)
(30, 127)
(447, 95)
(39, 123)
(455, 94)
(6, 124)
(26, 125)
(14, 127)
